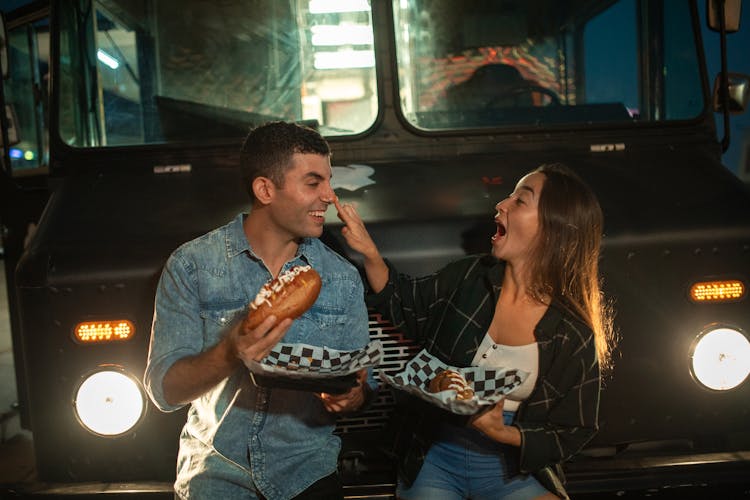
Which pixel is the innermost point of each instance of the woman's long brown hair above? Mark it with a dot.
(565, 260)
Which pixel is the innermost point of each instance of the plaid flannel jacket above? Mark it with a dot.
(449, 313)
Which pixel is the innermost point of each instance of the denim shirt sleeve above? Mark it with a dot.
(176, 329)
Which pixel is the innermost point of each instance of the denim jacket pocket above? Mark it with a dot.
(218, 320)
(324, 317)
(328, 320)
(331, 307)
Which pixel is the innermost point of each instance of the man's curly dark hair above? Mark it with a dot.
(268, 149)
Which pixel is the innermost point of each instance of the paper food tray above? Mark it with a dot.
(490, 384)
(312, 368)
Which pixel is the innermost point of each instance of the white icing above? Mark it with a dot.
(457, 382)
(458, 386)
(275, 286)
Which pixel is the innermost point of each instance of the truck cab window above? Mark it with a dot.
(27, 95)
(169, 71)
(513, 63)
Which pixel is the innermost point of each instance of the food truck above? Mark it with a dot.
(434, 109)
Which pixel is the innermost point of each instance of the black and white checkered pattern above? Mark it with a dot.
(303, 360)
(490, 384)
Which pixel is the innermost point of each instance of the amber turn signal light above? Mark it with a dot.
(717, 291)
(92, 332)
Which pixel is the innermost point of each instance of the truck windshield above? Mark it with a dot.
(158, 71)
(155, 71)
(519, 63)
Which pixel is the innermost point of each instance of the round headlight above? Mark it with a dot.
(721, 358)
(109, 402)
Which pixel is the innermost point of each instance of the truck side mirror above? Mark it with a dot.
(738, 93)
(732, 10)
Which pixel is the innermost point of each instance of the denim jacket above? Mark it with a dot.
(239, 438)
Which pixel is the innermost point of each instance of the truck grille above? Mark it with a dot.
(397, 351)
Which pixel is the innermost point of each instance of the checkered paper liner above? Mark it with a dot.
(490, 384)
(301, 361)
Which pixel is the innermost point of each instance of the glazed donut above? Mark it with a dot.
(288, 296)
(451, 380)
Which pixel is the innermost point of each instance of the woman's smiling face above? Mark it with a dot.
(517, 220)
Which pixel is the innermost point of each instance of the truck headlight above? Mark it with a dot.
(720, 358)
(109, 401)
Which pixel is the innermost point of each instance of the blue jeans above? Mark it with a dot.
(463, 463)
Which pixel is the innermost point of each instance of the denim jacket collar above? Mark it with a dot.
(237, 244)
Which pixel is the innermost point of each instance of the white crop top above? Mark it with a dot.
(522, 357)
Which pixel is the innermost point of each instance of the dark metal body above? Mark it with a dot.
(673, 215)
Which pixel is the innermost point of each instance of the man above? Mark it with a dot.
(243, 441)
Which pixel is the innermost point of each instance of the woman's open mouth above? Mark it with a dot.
(500, 231)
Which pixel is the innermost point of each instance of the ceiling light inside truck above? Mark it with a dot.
(338, 6)
(109, 402)
(342, 59)
(107, 59)
(721, 358)
(336, 35)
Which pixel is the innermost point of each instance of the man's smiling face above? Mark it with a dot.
(299, 204)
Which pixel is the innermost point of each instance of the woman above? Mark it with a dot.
(533, 304)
